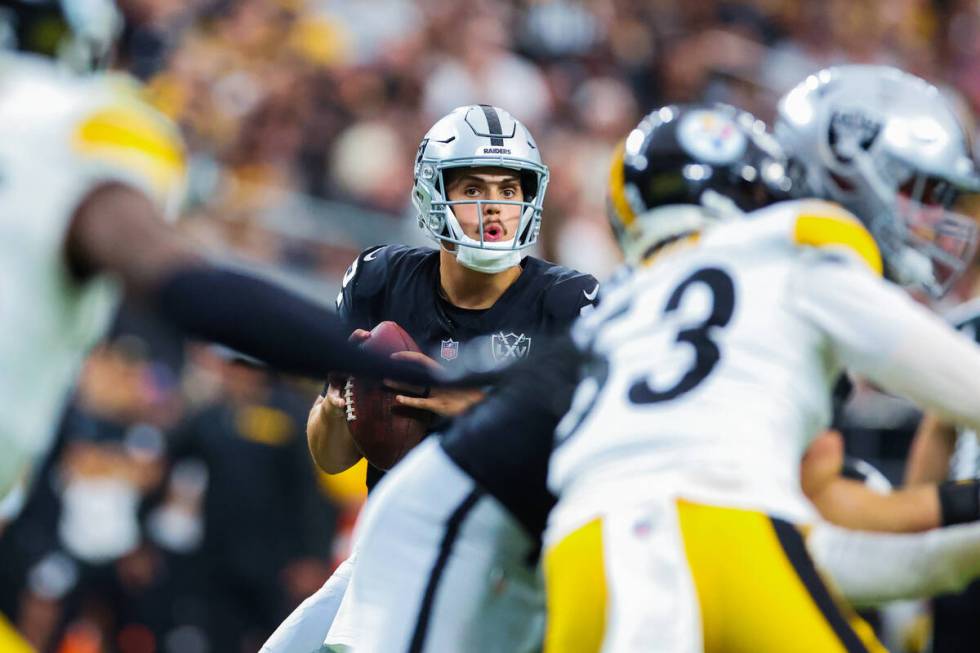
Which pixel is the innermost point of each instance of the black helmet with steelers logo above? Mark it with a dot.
(81, 35)
(685, 165)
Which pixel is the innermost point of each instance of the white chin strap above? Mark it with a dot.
(490, 261)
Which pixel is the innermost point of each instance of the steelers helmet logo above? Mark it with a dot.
(711, 137)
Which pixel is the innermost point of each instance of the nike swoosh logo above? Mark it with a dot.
(591, 295)
(372, 255)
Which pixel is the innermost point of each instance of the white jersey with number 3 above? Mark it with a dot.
(715, 365)
(61, 136)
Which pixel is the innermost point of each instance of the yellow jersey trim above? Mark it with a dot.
(135, 140)
(837, 229)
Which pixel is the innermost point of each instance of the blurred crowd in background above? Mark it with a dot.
(181, 511)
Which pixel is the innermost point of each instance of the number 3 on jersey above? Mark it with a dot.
(707, 353)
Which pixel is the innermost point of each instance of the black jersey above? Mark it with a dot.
(504, 442)
(956, 617)
(401, 284)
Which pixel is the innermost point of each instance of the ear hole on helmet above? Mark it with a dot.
(529, 185)
(443, 181)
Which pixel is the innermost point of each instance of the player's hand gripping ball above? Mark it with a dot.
(383, 430)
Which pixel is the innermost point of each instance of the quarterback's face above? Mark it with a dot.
(486, 191)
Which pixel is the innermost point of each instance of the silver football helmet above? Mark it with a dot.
(479, 136)
(887, 145)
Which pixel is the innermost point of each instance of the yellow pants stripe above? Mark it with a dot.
(575, 582)
(851, 629)
(757, 588)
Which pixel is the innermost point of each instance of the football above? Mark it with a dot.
(383, 430)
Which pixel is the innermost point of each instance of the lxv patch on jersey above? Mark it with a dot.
(509, 346)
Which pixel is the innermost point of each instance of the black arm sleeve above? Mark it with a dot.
(270, 323)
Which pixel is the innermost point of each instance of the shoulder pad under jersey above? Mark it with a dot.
(825, 225)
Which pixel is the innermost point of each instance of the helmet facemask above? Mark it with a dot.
(921, 221)
(438, 214)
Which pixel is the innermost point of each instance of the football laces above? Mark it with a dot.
(349, 399)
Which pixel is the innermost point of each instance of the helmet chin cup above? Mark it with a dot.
(912, 268)
(489, 261)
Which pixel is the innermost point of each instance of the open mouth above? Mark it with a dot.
(493, 232)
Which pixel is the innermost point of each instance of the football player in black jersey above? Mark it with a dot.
(478, 300)
(452, 536)
(476, 303)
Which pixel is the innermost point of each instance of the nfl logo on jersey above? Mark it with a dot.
(449, 350)
(509, 345)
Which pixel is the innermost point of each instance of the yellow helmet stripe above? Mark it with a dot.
(617, 188)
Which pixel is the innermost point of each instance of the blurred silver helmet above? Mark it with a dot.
(888, 146)
(479, 136)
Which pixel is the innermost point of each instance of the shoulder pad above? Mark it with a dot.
(826, 225)
(125, 135)
(566, 299)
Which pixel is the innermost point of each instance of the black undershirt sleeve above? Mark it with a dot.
(270, 323)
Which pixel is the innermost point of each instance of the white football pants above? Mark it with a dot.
(305, 628)
(441, 566)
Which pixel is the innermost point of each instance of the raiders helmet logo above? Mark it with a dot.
(851, 131)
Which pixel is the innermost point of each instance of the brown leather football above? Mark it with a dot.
(383, 430)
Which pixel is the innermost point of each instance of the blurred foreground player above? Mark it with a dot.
(476, 303)
(679, 518)
(450, 537)
(90, 178)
